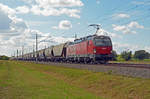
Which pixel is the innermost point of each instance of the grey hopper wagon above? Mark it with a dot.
(49, 53)
(59, 50)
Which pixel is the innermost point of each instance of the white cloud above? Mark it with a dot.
(12, 30)
(52, 7)
(122, 15)
(98, 1)
(118, 28)
(104, 32)
(70, 12)
(147, 48)
(59, 3)
(28, 1)
(60, 39)
(134, 24)
(78, 23)
(18, 24)
(9, 22)
(129, 28)
(141, 2)
(14, 42)
(63, 25)
(7, 10)
(22, 9)
(37, 23)
(55, 11)
(35, 10)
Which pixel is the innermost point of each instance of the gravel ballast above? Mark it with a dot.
(126, 71)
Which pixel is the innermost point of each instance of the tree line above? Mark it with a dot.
(127, 55)
(3, 57)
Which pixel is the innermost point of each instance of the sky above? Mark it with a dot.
(127, 22)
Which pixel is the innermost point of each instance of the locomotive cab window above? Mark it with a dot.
(102, 41)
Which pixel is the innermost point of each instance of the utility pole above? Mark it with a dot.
(36, 47)
(75, 36)
(14, 54)
(22, 51)
(17, 54)
(33, 52)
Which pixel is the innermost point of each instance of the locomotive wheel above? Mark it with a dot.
(85, 60)
(103, 62)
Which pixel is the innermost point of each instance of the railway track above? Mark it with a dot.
(144, 66)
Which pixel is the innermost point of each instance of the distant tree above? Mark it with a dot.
(141, 54)
(4, 57)
(148, 55)
(114, 55)
(126, 55)
(119, 58)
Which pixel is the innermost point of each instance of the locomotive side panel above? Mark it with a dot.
(71, 51)
(81, 49)
(90, 47)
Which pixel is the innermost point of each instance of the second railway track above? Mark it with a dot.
(146, 66)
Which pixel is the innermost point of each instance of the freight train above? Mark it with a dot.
(89, 49)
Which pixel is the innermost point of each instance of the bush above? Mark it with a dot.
(126, 55)
(114, 55)
(4, 57)
(141, 54)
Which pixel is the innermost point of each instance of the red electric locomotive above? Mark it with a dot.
(94, 48)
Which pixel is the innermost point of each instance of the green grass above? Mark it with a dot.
(134, 61)
(19, 81)
(22, 80)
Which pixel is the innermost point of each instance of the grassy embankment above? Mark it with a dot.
(19, 80)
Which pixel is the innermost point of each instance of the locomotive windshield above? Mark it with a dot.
(102, 41)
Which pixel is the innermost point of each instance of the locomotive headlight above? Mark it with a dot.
(94, 51)
(111, 52)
